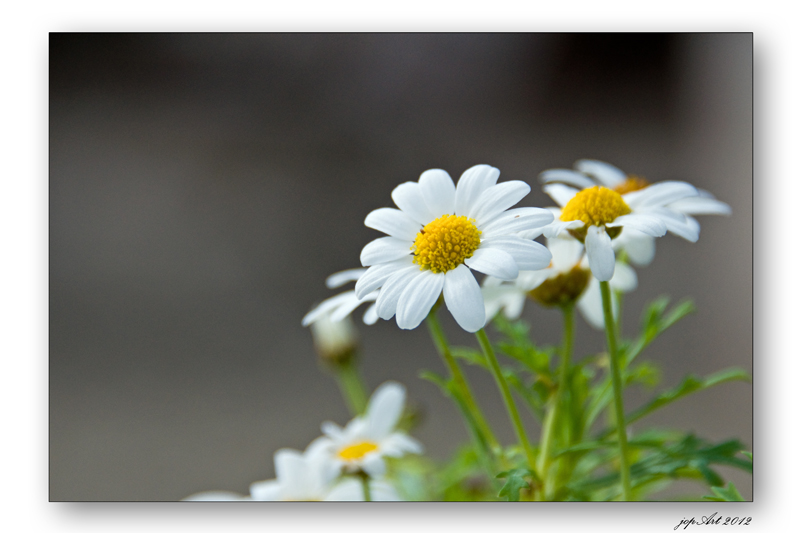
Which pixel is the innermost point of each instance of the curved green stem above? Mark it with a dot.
(548, 431)
(488, 351)
(616, 381)
(352, 387)
(458, 377)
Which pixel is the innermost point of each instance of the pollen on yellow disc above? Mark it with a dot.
(355, 452)
(633, 183)
(445, 243)
(595, 206)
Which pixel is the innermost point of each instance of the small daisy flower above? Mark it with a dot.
(567, 280)
(342, 305)
(364, 442)
(676, 211)
(439, 233)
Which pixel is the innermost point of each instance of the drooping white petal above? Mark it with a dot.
(408, 197)
(561, 194)
(417, 299)
(438, 191)
(398, 444)
(374, 465)
(659, 194)
(530, 279)
(349, 305)
(386, 305)
(529, 255)
(676, 223)
(700, 205)
(652, 225)
(471, 185)
(641, 248)
(384, 409)
(590, 305)
(494, 262)
(608, 175)
(497, 199)
(393, 222)
(337, 279)
(566, 253)
(371, 315)
(384, 250)
(557, 227)
(566, 176)
(516, 220)
(331, 430)
(600, 253)
(348, 490)
(624, 279)
(325, 306)
(290, 471)
(381, 491)
(376, 275)
(463, 298)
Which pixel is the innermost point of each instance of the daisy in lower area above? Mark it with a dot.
(439, 233)
(365, 441)
(565, 282)
(677, 210)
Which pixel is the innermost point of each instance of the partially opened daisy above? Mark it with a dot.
(338, 307)
(566, 281)
(365, 441)
(677, 211)
(438, 234)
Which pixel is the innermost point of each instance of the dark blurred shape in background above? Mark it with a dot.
(202, 186)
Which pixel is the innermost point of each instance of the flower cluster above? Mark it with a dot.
(345, 464)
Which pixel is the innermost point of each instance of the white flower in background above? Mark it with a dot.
(567, 280)
(364, 442)
(638, 245)
(438, 234)
(342, 305)
(217, 496)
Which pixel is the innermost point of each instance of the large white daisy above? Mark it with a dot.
(365, 441)
(567, 280)
(638, 245)
(438, 234)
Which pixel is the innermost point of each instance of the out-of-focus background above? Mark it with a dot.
(203, 186)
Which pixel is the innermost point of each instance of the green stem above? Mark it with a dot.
(458, 377)
(488, 351)
(616, 381)
(365, 484)
(352, 387)
(553, 415)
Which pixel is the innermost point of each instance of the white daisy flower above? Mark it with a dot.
(639, 245)
(438, 234)
(567, 279)
(364, 442)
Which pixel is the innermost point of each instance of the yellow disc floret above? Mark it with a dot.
(633, 183)
(445, 243)
(595, 206)
(354, 452)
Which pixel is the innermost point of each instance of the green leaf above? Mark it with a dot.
(516, 482)
(438, 380)
(470, 355)
(727, 494)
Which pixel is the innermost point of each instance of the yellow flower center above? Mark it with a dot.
(355, 452)
(445, 243)
(595, 206)
(633, 183)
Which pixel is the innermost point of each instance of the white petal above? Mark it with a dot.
(497, 199)
(330, 430)
(438, 191)
(417, 299)
(700, 205)
(608, 175)
(347, 307)
(384, 409)
(530, 279)
(659, 194)
(646, 223)
(371, 315)
(624, 279)
(561, 194)
(555, 229)
(290, 470)
(215, 496)
(374, 465)
(529, 255)
(398, 444)
(494, 262)
(337, 279)
(568, 177)
(566, 253)
(348, 490)
(384, 250)
(408, 197)
(376, 275)
(516, 220)
(677, 223)
(600, 253)
(380, 491)
(471, 185)
(463, 298)
(386, 305)
(591, 305)
(326, 306)
(393, 222)
(641, 248)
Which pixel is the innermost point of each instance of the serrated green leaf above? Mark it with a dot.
(727, 494)
(515, 483)
(470, 355)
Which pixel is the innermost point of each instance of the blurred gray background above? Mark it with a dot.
(202, 186)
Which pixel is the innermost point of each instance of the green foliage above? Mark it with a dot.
(727, 494)
(515, 482)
